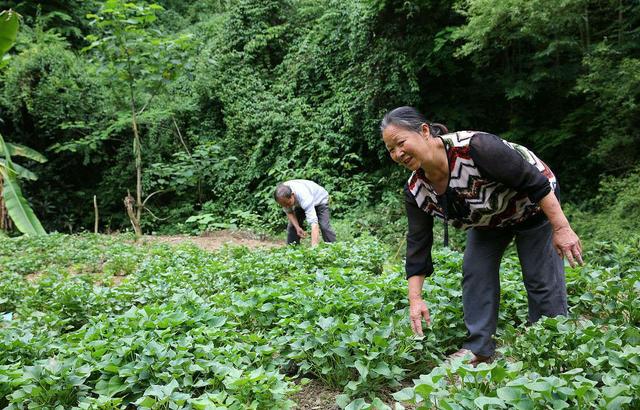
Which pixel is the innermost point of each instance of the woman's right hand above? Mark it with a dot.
(417, 311)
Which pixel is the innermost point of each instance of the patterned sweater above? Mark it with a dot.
(492, 184)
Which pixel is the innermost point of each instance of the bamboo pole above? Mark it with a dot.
(95, 208)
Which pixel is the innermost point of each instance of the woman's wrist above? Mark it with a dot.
(561, 226)
(414, 292)
(415, 298)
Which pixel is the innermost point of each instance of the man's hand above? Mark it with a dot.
(417, 311)
(301, 233)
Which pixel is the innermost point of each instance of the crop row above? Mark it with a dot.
(240, 329)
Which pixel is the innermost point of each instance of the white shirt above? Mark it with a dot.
(308, 195)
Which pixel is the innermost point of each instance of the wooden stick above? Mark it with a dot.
(95, 208)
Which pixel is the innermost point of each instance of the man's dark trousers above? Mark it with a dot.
(322, 210)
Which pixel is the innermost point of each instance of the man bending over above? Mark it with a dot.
(303, 199)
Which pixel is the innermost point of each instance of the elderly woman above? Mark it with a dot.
(495, 190)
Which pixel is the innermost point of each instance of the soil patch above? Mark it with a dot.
(33, 277)
(316, 396)
(212, 241)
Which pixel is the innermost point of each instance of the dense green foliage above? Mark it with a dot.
(94, 322)
(269, 90)
(216, 101)
(17, 207)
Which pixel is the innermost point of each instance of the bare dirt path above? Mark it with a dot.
(215, 240)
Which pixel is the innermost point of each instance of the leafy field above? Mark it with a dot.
(95, 322)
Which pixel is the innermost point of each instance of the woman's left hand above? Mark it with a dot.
(568, 245)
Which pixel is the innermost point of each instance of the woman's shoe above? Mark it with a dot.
(474, 359)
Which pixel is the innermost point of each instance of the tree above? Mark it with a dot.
(144, 60)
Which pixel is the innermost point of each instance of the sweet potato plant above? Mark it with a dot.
(96, 322)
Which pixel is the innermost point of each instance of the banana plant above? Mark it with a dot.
(8, 31)
(21, 151)
(17, 206)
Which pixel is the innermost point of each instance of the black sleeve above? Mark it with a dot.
(504, 164)
(419, 238)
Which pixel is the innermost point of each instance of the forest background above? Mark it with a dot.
(231, 97)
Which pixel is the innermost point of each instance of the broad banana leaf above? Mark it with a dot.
(8, 30)
(22, 151)
(21, 172)
(19, 210)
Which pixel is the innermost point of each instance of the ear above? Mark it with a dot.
(426, 131)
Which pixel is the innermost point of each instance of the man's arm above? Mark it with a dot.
(315, 234)
(294, 222)
(305, 201)
(312, 219)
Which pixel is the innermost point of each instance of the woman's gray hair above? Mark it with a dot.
(410, 119)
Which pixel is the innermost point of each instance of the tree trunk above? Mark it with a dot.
(587, 27)
(135, 213)
(129, 204)
(137, 152)
(5, 221)
(620, 20)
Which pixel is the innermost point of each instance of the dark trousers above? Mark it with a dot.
(542, 272)
(322, 210)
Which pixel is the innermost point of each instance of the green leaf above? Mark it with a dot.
(526, 404)
(326, 322)
(449, 405)
(424, 390)
(378, 404)
(357, 404)
(22, 151)
(342, 400)
(19, 210)
(110, 388)
(539, 386)
(21, 172)
(559, 404)
(483, 401)
(8, 30)
(509, 393)
(614, 391)
(352, 385)
(597, 361)
(362, 369)
(498, 373)
(405, 394)
(382, 369)
(146, 402)
(618, 402)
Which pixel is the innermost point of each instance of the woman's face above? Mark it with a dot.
(406, 147)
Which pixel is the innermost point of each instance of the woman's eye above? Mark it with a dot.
(400, 143)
